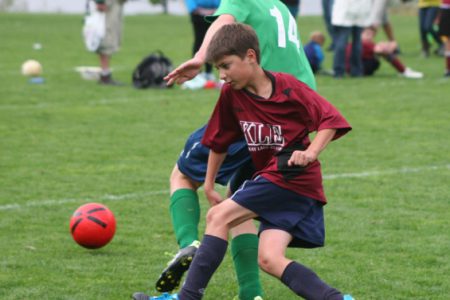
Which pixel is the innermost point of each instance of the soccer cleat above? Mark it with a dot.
(348, 297)
(198, 82)
(256, 298)
(170, 278)
(409, 73)
(164, 296)
(208, 76)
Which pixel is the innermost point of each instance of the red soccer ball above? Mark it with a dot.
(92, 225)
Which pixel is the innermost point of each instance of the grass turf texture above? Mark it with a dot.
(69, 141)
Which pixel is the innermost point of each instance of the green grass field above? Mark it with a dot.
(70, 141)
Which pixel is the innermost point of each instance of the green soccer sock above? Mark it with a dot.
(244, 249)
(185, 213)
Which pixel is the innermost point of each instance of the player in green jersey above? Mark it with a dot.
(281, 47)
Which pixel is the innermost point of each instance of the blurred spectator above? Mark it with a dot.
(113, 35)
(293, 5)
(428, 12)
(327, 8)
(313, 50)
(444, 32)
(198, 9)
(349, 17)
(379, 18)
(371, 51)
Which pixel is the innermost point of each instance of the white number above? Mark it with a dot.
(275, 12)
(292, 32)
(292, 29)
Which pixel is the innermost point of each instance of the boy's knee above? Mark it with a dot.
(214, 218)
(176, 174)
(265, 262)
(178, 180)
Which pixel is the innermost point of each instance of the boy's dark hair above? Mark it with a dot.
(233, 39)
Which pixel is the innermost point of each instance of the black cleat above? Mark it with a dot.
(171, 276)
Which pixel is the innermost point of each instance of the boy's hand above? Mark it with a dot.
(302, 158)
(184, 72)
(213, 196)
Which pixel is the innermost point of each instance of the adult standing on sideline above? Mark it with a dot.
(349, 17)
(198, 9)
(327, 8)
(293, 5)
(428, 12)
(110, 44)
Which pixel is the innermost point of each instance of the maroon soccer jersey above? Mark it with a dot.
(274, 128)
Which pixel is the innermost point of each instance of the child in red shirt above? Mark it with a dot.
(371, 52)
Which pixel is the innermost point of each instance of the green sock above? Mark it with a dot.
(244, 249)
(185, 213)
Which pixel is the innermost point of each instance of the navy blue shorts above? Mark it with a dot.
(193, 161)
(279, 208)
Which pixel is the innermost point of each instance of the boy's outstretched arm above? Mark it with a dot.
(190, 68)
(321, 140)
(215, 160)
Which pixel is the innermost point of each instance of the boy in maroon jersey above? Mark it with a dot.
(275, 113)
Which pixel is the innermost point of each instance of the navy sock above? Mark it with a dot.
(305, 283)
(206, 261)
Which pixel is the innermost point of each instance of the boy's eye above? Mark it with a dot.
(224, 66)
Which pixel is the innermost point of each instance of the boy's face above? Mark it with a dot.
(367, 34)
(235, 71)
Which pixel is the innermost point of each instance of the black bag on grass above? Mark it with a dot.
(150, 72)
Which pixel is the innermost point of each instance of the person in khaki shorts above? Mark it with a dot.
(110, 44)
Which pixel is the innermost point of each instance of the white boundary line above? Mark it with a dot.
(132, 196)
(404, 170)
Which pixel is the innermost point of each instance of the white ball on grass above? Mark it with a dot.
(31, 68)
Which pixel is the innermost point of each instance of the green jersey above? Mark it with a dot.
(279, 41)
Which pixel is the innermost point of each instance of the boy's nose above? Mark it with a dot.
(222, 75)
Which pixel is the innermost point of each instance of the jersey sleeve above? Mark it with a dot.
(223, 128)
(321, 114)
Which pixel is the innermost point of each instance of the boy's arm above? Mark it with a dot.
(192, 67)
(304, 158)
(215, 160)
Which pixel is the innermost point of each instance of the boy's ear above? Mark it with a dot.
(251, 54)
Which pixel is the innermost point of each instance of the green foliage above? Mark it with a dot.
(69, 141)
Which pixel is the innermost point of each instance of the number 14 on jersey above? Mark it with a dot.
(292, 33)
